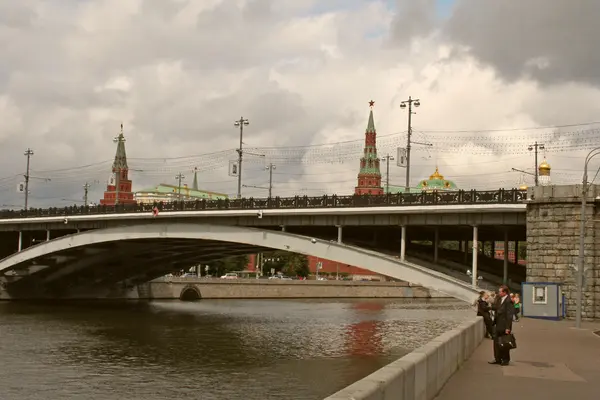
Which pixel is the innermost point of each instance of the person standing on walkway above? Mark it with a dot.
(483, 310)
(505, 309)
(517, 303)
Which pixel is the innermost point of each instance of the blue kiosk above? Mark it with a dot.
(543, 300)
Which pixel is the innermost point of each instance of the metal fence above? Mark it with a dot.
(501, 196)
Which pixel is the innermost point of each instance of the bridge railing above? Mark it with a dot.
(500, 196)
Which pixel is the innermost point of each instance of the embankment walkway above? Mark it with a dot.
(553, 361)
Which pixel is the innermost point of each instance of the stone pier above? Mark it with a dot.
(553, 223)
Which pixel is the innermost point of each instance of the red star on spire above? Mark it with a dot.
(371, 103)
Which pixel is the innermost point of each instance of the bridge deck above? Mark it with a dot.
(552, 361)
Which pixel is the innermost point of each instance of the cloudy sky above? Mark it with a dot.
(492, 77)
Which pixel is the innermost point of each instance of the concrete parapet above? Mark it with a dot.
(421, 374)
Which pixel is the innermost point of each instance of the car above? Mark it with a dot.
(230, 275)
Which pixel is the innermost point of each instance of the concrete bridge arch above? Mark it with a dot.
(190, 293)
(95, 247)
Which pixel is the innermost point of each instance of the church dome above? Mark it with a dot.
(544, 166)
(437, 181)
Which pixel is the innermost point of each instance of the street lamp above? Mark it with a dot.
(240, 123)
(387, 160)
(535, 147)
(270, 168)
(580, 260)
(403, 104)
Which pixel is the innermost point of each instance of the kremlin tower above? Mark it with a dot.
(544, 174)
(118, 190)
(369, 177)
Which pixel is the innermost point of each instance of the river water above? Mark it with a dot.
(211, 349)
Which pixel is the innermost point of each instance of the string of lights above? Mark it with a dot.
(498, 143)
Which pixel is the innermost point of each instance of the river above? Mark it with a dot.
(211, 349)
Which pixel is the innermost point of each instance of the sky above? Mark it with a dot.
(492, 78)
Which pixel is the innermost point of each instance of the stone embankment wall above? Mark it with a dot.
(419, 375)
(553, 231)
(266, 289)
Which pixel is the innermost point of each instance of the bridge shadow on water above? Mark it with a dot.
(229, 349)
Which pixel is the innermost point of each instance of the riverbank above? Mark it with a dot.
(195, 289)
(421, 374)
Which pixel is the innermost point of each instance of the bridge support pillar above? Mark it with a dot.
(474, 280)
(436, 244)
(282, 228)
(20, 245)
(47, 235)
(339, 228)
(403, 244)
(505, 273)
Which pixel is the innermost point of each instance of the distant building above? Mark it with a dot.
(544, 174)
(167, 193)
(436, 182)
(119, 177)
(369, 176)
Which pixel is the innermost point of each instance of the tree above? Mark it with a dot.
(292, 264)
(229, 264)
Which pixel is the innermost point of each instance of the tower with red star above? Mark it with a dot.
(118, 190)
(369, 177)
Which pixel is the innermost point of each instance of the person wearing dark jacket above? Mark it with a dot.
(483, 310)
(504, 312)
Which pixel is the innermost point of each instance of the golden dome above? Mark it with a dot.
(436, 175)
(544, 166)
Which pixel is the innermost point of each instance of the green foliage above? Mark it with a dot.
(228, 264)
(291, 264)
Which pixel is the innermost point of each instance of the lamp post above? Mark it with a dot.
(535, 147)
(270, 168)
(240, 123)
(403, 104)
(179, 177)
(387, 160)
(28, 154)
(580, 259)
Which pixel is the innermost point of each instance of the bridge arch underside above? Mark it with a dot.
(111, 268)
(115, 258)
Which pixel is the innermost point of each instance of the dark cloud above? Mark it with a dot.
(412, 19)
(549, 41)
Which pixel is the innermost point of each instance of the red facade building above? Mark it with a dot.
(119, 178)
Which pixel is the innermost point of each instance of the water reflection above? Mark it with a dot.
(250, 349)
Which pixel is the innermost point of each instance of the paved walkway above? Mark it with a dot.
(553, 361)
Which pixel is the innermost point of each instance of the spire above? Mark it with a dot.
(120, 162)
(195, 183)
(371, 123)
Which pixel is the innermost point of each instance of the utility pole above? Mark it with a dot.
(535, 147)
(403, 104)
(387, 160)
(270, 168)
(85, 193)
(28, 154)
(241, 122)
(179, 177)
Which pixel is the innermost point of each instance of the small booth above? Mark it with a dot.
(544, 300)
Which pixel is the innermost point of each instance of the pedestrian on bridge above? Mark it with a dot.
(483, 310)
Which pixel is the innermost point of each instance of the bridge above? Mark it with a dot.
(62, 251)
(96, 262)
